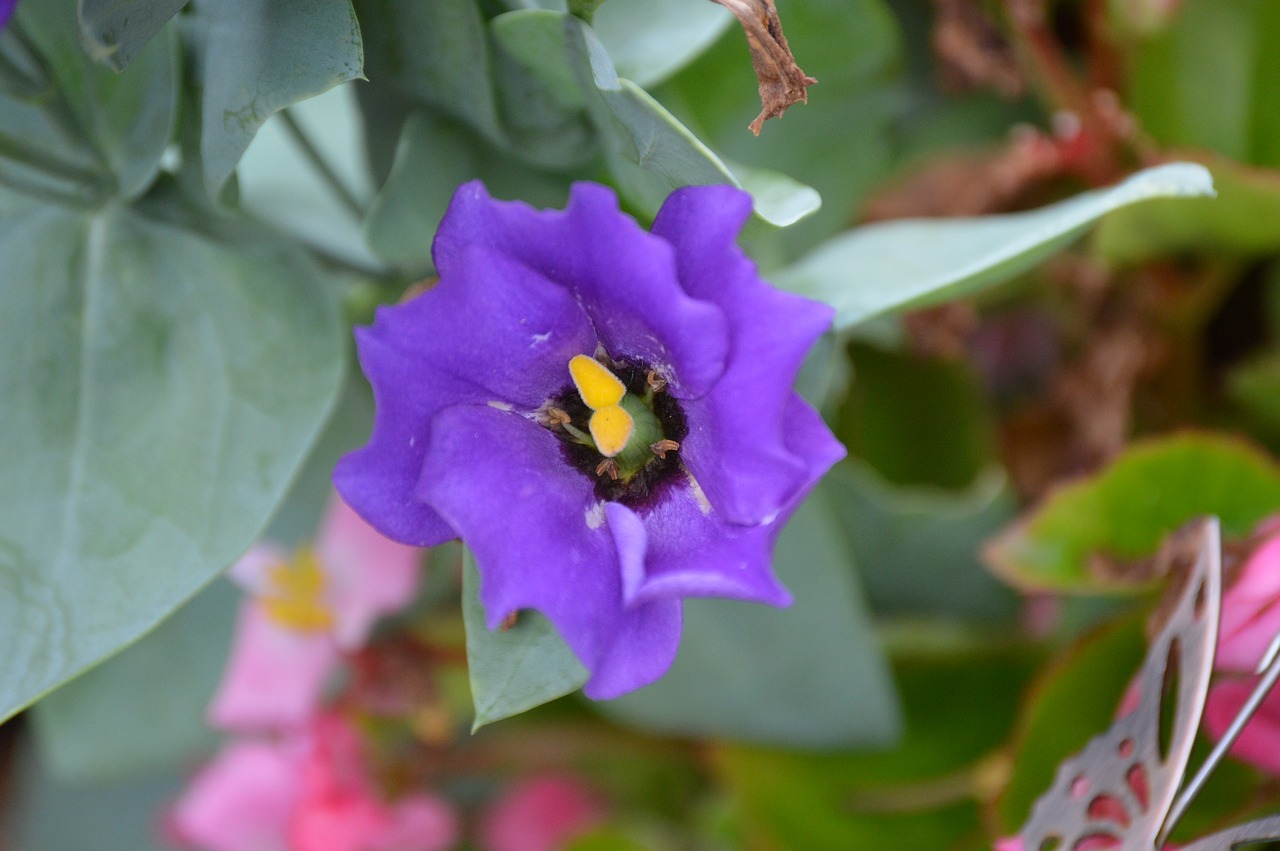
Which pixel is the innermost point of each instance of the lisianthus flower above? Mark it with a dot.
(302, 612)
(1250, 621)
(6, 11)
(541, 814)
(605, 417)
(307, 790)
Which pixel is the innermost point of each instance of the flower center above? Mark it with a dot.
(618, 425)
(294, 597)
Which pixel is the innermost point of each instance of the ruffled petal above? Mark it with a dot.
(541, 542)
(738, 445)
(242, 801)
(368, 575)
(274, 677)
(682, 548)
(491, 330)
(624, 277)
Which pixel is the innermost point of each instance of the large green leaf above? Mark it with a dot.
(126, 119)
(161, 389)
(260, 56)
(517, 669)
(914, 263)
(114, 32)
(143, 709)
(755, 672)
(1124, 512)
(917, 547)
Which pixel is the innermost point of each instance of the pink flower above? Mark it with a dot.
(1250, 620)
(541, 814)
(302, 613)
(306, 791)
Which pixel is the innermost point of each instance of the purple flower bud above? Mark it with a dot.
(604, 495)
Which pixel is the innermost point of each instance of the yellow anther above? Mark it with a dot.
(611, 428)
(598, 387)
(295, 596)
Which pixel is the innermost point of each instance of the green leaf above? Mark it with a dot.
(114, 32)
(649, 40)
(843, 142)
(1123, 512)
(163, 387)
(1072, 702)
(917, 420)
(917, 548)
(515, 670)
(920, 794)
(753, 672)
(435, 155)
(649, 152)
(126, 119)
(906, 264)
(260, 56)
(436, 54)
(1211, 80)
(145, 708)
(1240, 221)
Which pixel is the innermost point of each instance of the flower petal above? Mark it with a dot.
(540, 542)
(738, 445)
(1251, 611)
(252, 571)
(492, 330)
(624, 277)
(368, 574)
(682, 550)
(242, 801)
(274, 677)
(419, 822)
(541, 814)
(1259, 744)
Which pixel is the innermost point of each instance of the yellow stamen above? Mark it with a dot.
(611, 428)
(598, 387)
(295, 596)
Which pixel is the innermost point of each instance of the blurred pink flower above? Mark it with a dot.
(306, 791)
(1250, 620)
(301, 613)
(541, 814)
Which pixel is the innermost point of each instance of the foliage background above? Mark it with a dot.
(186, 242)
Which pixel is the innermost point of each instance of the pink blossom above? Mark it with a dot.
(1250, 620)
(541, 814)
(301, 613)
(305, 791)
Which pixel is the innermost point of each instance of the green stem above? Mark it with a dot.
(321, 165)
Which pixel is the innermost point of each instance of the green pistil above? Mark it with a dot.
(648, 431)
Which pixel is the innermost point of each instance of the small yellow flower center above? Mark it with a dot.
(295, 594)
(602, 391)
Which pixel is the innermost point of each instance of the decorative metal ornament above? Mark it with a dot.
(1122, 790)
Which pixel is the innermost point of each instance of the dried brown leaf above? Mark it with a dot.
(782, 83)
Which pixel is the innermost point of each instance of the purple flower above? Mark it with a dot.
(6, 11)
(660, 466)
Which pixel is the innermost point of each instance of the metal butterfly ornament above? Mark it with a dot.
(1126, 789)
